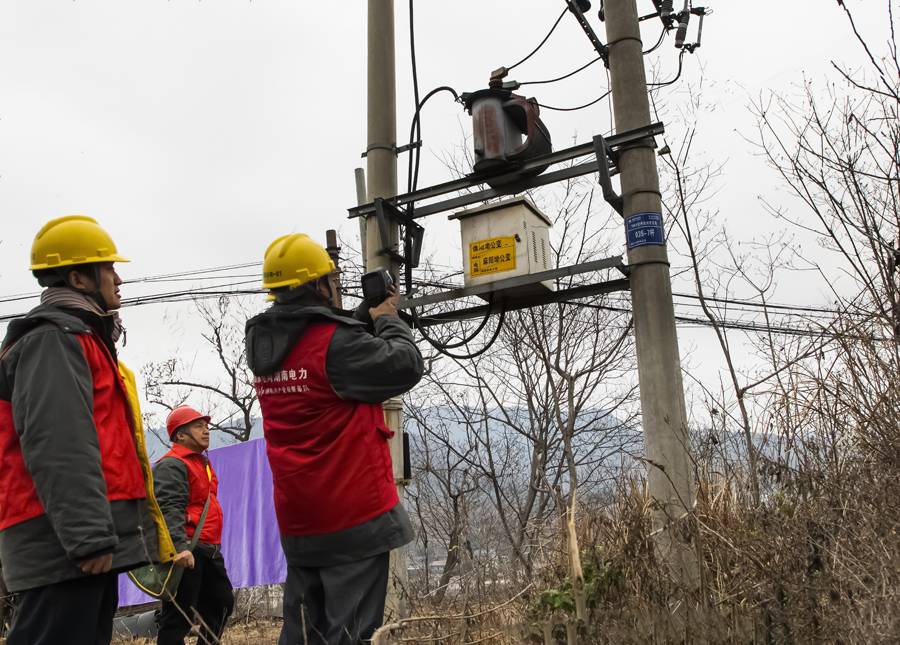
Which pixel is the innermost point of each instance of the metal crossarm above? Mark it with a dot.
(526, 302)
(469, 181)
(509, 283)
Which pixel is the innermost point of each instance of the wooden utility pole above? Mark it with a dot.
(381, 172)
(666, 441)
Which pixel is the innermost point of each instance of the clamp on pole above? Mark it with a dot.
(392, 147)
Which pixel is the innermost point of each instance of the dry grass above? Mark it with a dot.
(253, 632)
(817, 562)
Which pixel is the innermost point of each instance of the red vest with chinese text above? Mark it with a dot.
(203, 484)
(330, 458)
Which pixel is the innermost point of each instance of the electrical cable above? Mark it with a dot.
(583, 67)
(165, 299)
(195, 272)
(580, 107)
(725, 324)
(677, 76)
(659, 42)
(415, 80)
(473, 335)
(440, 347)
(415, 134)
(217, 291)
(168, 277)
(193, 279)
(751, 303)
(21, 296)
(742, 312)
(441, 284)
(547, 37)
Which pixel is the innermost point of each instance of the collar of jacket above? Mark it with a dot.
(271, 335)
(308, 309)
(38, 316)
(181, 451)
(103, 325)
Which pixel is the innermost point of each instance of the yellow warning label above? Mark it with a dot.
(495, 255)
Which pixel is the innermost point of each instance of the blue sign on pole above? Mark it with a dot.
(642, 229)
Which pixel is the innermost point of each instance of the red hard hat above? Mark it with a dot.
(181, 415)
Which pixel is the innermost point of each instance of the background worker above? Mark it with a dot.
(321, 376)
(183, 481)
(76, 507)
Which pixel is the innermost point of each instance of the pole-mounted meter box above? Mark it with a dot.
(504, 240)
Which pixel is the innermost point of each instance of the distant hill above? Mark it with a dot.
(218, 439)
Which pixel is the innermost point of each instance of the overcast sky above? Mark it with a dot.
(198, 132)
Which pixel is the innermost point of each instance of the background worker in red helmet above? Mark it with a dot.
(76, 498)
(183, 480)
(321, 376)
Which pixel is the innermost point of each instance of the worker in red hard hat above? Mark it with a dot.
(184, 484)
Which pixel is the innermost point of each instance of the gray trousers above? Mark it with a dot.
(339, 605)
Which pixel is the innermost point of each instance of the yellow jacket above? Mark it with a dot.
(166, 547)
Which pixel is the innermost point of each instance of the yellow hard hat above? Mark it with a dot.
(292, 260)
(74, 239)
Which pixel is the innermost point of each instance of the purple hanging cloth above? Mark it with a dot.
(250, 540)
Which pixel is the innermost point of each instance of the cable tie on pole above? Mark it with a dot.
(642, 191)
(628, 267)
(623, 39)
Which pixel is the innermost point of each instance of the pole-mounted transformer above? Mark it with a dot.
(506, 130)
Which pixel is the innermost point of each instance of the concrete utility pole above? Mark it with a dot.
(666, 442)
(334, 253)
(362, 197)
(381, 171)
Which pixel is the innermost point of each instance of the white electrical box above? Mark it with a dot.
(504, 240)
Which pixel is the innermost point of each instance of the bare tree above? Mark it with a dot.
(540, 414)
(227, 392)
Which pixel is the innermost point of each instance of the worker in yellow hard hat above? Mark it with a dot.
(294, 261)
(76, 497)
(321, 375)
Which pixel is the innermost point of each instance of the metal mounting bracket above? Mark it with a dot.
(606, 156)
(413, 233)
(602, 50)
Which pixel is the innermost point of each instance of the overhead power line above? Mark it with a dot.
(546, 38)
(194, 272)
(218, 291)
(167, 277)
(759, 305)
(562, 78)
(580, 107)
(443, 283)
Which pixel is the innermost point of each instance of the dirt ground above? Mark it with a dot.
(259, 632)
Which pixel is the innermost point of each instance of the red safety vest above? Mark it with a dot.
(113, 420)
(204, 484)
(330, 459)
